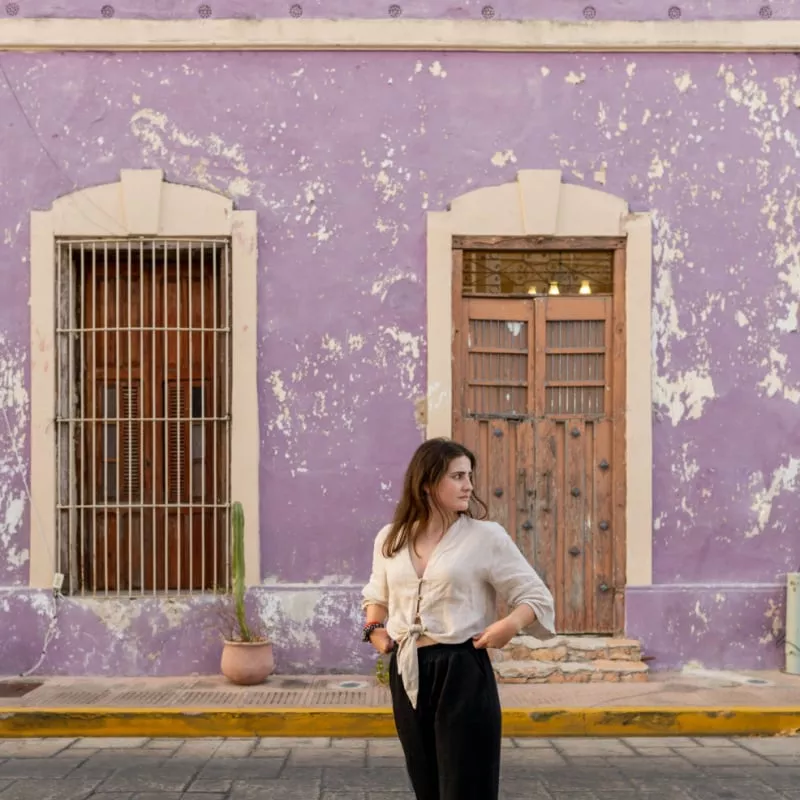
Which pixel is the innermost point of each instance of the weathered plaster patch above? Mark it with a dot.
(501, 158)
(437, 70)
(683, 82)
(575, 77)
(784, 479)
(773, 383)
(680, 394)
(14, 410)
(774, 614)
(382, 285)
(158, 136)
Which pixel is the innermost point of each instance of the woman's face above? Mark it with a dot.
(454, 490)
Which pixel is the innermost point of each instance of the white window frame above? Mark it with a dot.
(142, 205)
(539, 203)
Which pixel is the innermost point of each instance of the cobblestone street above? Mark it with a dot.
(357, 769)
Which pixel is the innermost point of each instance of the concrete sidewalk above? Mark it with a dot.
(669, 704)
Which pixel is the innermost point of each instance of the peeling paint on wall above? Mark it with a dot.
(13, 470)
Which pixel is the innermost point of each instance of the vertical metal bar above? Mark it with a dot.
(72, 553)
(128, 477)
(156, 461)
(82, 476)
(92, 477)
(215, 414)
(203, 448)
(105, 412)
(140, 494)
(180, 455)
(165, 392)
(190, 424)
(227, 384)
(118, 424)
(62, 367)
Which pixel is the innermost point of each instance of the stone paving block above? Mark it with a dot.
(656, 765)
(716, 741)
(241, 769)
(384, 747)
(534, 758)
(522, 793)
(110, 796)
(164, 744)
(64, 789)
(642, 742)
(327, 757)
(221, 786)
(278, 752)
(534, 744)
(32, 748)
(40, 768)
(157, 796)
(116, 743)
(365, 779)
(723, 756)
(142, 754)
(163, 778)
(344, 796)
(272, 742)
(103, 762)
(274, 790)
(657, 752)
(379, 762)
(582, 778)
(235, 748)
(199, 748)
(390, 796)
(772, 747)
(786, 761)
(578, 748)
(83, 753)
(301, 774)
(350, 744)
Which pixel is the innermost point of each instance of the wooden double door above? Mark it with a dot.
(539, 398)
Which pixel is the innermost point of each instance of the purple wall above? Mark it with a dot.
(341, 154)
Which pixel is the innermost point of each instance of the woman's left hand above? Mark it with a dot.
(496, 636)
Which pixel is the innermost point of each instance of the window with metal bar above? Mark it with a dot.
(143, 334)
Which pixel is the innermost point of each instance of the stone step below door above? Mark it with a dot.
(569, 659)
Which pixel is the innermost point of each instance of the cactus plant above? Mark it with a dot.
(247, 653)
(237, 567)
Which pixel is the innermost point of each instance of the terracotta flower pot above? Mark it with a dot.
(247, 663)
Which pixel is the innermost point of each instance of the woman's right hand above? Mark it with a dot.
(381, 641)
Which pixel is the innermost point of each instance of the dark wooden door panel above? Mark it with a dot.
(152, 461)
(535, 399)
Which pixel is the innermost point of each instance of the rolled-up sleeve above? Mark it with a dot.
(376, 592)
(517, 582)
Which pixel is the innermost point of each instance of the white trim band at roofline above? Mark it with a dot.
(23, 34)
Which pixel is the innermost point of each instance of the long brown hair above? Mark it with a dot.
(428, 466)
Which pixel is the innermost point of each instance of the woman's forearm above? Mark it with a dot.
(522, 616)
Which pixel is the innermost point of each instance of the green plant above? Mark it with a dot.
(237, 524)
(236, 624)
(381, 673)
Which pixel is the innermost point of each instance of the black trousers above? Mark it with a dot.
(452, 740)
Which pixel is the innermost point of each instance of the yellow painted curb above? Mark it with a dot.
(180, 723)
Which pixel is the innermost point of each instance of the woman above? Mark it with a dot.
(432, 602)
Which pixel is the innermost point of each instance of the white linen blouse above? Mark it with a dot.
(456, 598)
